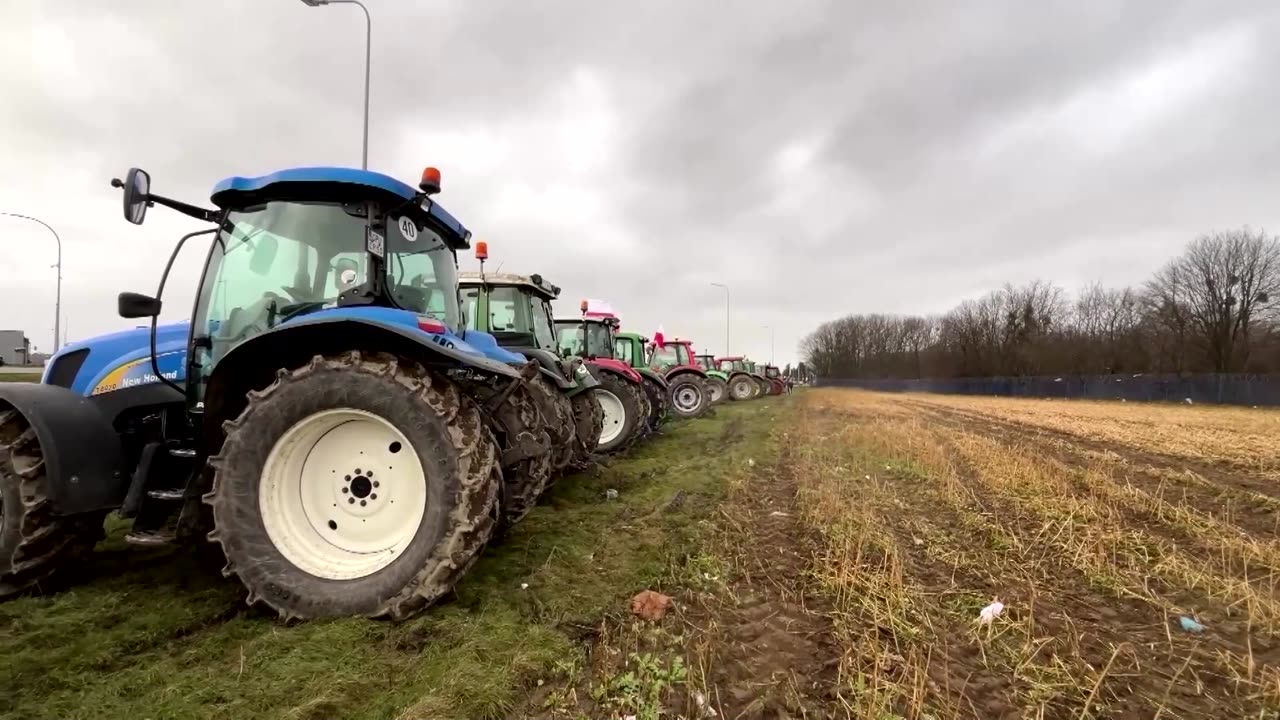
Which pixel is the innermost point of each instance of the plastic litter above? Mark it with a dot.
(610, 494)
(989, 613)
(1190, 625)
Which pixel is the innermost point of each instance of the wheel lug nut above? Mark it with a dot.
(375, 483)
(357, 471)
(351, 500)
(345, 490)
(363, 503)
(373, 496)
(348, 478)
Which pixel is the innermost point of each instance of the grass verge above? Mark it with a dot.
(155, 634)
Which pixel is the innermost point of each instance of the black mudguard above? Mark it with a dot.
(82, 452)
(686, 370)
(253, 363)
(653, 375)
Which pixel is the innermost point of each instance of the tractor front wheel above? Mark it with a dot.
(742, 387)
(657, 398)
(34, 544)
(354, 485)
(717, 390)
(588, 419)
(687, 394)
(622, 412)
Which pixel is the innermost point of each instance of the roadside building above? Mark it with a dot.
(15, 348)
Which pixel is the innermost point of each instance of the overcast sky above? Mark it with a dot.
(819, 158)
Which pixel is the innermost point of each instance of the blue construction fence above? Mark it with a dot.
(1217, 389)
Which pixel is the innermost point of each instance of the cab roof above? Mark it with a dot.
(322, 182)
(534, 282)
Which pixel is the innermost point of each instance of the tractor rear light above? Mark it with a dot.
(431, 325)
(430, 181)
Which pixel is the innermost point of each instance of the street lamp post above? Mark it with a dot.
(368, 60)
(771, 337)
(726, 315)
(57, 303)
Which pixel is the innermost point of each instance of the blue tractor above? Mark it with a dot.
(321, 416)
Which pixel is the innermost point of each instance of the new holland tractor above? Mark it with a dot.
(687, 395)
(516, 310)
(621, 393)
(321, 417)
(717, 381)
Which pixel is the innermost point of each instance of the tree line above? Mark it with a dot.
(1213, 309)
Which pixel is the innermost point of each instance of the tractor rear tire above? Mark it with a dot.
(35, 545)
(622, 410)
(557, 410)
(303, 451)
(742, 387)
(717, 390)
(588, 419)
(656, 395)
(525, 480)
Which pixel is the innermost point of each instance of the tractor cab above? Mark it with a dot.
(316, 247)
(516, 311)
(591, 337)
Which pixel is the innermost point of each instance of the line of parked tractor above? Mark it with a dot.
(348, 417)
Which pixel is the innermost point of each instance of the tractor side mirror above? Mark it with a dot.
(137, 194)
(136, 305)
(264, 254)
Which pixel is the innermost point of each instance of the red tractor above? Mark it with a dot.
(777, 383)
(621, 394)
(687, 393)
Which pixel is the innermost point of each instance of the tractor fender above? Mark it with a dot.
(718, 375)
(253, 363)
(617, 367)
(654, 375)
(686, 370)
(82, 451)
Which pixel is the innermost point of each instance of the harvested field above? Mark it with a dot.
(1099, 526)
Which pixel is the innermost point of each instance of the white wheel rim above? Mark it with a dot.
(615, 416)
(342, 494)
(688, 398)
(742, 390)
(716, 392)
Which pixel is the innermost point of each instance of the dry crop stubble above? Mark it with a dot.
(930, 507)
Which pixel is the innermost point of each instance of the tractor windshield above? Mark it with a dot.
(281, 260)
(664, 357)
(707, 362)
(598, 342)
(514, 315)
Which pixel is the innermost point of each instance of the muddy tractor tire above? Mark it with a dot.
(717, 390)
(35, 545)
(623, 413)
(354, 485)
(742, 387)
(518, 421)
(656, 396)
(687, 395)
(588, 419)
(557, 410)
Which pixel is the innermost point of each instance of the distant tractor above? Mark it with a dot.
(621, 393)
(322, 417)
(688, 395)
(777, 383)
(516, 310)
(744, 383)
(717, 381)
(630, 349)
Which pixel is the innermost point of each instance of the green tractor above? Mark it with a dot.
(744, 382)
(516, 310)
(717, 381)
(687, 395)
(628, 404)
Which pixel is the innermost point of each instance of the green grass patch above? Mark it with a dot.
(20, 377)
(158, 634)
